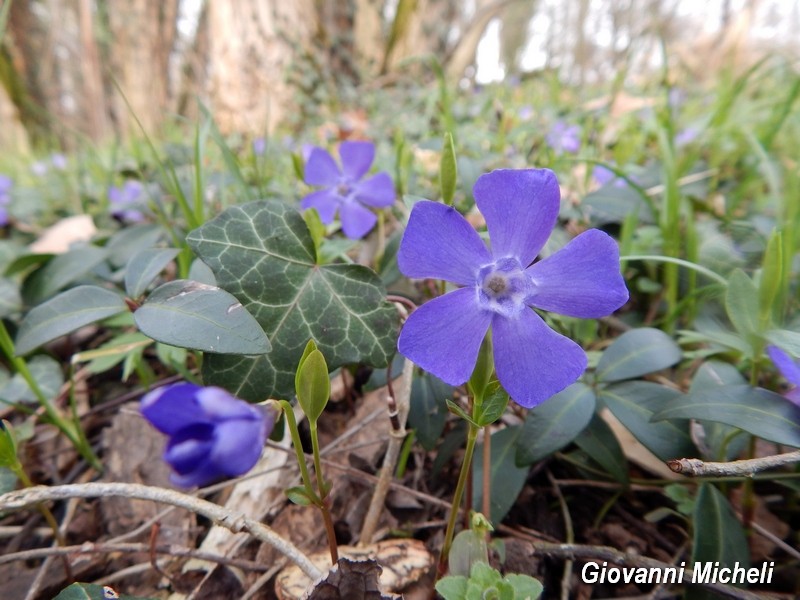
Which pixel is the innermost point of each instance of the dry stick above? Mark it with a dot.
(398, 412)
(570, 534)
(694, 467)
(219, 515)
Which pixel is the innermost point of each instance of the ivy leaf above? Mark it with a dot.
(263, 253)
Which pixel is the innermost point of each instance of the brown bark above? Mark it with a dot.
(251, 46)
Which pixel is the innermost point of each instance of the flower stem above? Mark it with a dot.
(291, 423)
(472, 436)
(486, 495)
(322, 490)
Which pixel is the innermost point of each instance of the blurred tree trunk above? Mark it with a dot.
(252, 44)
(514, 23)
(141, 38)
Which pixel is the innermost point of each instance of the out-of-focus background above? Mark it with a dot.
(73, 70)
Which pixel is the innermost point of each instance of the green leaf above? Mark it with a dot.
(428, 411)
(741, 304)
(636, 353)
(635, 402)
(316, 229)
(785, 339)
(63, 270)
(200, 317)
(113, 352)
(758, 411)
(10, 299)
(45, 370)
(65, 313)
(469, 547)
(602, 446)
(555, 423)
(127, 242)
(459, 412)
(311, 346)
(493, 405)
(313, 385)
(8, 445)
(507, 479)
(718, 535)
(771, 281)
(144, 267)
(448, 170)
(525, 586)
(298, 495)
(90, 591)
(263, 254)
(452, 587)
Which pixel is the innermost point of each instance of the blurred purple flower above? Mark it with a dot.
(345, 189)
(686, 136)
(59, 161)
(39, 168)
(6, 183)
(125, 201)
(259, 146)
(499, 286)
(790, 370)
(212, 434)
(676, 97)
(563, 137)
(525, 113)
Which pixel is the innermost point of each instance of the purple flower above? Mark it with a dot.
(259, 146)
(59, 161)
(212, 435)
(499, 286)
(345, 189)
(686, 136)
(6, 183)
(563, 137)
(790, 370)
(125, 201)
(39, 168)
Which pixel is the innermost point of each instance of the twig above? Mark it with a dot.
(398, 409)
(606, 553)
(129, 548)
(221, 516)
(570, 535)
(694, 467)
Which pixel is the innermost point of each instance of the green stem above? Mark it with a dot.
(466, 465)
(291, 423)
(323, 494)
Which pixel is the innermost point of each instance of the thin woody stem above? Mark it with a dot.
(322, 490)
(694, 467)
(236, 522)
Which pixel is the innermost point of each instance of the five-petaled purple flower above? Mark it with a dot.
(212, 434)
(499, 286)
(563, 137)
(345, 189)
(790, 370)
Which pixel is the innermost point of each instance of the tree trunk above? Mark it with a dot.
(251, 46)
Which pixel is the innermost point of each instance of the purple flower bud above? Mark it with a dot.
(126, 200)
(563, 137)
(59, 161)
(212, 434)
(790, 370)
(259, 146)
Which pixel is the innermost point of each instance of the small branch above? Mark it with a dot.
(398, 408)
(694, 467)
(221, 516)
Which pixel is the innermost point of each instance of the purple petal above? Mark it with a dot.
(793, 396)
(786, 364)
(440, 243)
(218, 405)
(580, 280)
(356, 158)
(326, 202)
(532, 361)
(356, 220)
(206, 472)
(238, 445)
(444, 335)
(520, 208)
(172, 408)
(321, 169)
(189, 448)
(377, 191)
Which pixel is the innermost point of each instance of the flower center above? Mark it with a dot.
(503, 287)
(343, 189)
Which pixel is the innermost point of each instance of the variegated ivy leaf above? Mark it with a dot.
(263, 254)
